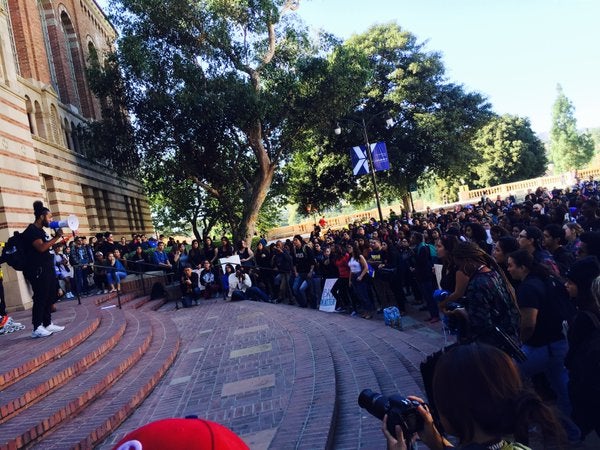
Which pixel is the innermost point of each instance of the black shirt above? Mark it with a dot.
(532, 293)
(37, 259)
(303, 258)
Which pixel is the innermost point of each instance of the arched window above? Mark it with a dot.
(39, 120)
(46, 17)
(71, 53)
(30, 118)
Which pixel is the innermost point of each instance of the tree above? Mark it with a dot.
(569, 149)
(222, 93)
(508, 150)
(435, 121)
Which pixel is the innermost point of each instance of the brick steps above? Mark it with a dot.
(72, 398)
(73, 388)
(22, 356)
(29, 391)
(120, 399)
(308, 423)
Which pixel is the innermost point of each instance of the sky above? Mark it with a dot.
(514, 52)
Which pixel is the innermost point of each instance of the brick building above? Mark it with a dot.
(45, 102)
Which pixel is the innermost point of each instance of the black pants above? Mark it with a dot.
(2, 302)
(43, 282)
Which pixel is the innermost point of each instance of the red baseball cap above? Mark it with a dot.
(182, 434)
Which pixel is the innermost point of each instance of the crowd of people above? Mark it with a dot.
(499, 272)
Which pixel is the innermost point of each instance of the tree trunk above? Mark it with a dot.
(260, 188)
(260, 185)
(406, 202)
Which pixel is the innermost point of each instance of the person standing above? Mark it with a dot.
(39, 271)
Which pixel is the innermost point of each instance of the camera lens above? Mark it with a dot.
(375, 403)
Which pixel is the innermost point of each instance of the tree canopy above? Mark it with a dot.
(569, 149)
(435, 122)
(507, 150)
(221, 93)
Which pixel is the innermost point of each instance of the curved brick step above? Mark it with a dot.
(51, 377)
(111, 298)
(144, 303)
(363, 359)
(356, 368)
(310, 415)
(17, 363)
(41, 418)
(106, 413)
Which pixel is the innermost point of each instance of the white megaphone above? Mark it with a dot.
(72, 222)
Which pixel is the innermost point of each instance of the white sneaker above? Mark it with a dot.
(41, 332)
(69, 295)
(54, 328)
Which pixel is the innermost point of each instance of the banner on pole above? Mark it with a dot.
(360, 159)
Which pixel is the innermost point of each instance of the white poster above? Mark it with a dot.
(234, 260)
(438, 272)
(327, 298)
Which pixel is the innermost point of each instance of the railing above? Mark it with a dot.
(518, 188)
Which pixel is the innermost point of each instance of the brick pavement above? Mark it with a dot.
(286, 377)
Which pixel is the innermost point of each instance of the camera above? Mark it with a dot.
(400, 411)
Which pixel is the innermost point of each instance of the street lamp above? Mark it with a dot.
(390, 123)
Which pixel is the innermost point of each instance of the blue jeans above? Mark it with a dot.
(549, 359)
(361, 290)
(81, 284)
(316, 290)
(299, 289)
(256, 294)
(115, 277)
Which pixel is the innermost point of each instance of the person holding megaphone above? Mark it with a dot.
(39, 271)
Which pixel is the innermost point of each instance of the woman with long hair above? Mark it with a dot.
(358, 283)
(480, 399)
(195, 255)
(341, 289)
(489, 297)
(115, 272)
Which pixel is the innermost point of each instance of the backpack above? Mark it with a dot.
(158, 291)
(13, 252)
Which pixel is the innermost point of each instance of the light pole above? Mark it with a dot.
(389, 122)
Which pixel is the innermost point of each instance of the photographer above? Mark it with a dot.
(39, 271)
(480, 398)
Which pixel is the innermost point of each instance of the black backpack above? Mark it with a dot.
(13, 252)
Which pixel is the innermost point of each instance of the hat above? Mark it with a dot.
(182, 434)
(583, 271)
(99, 254)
